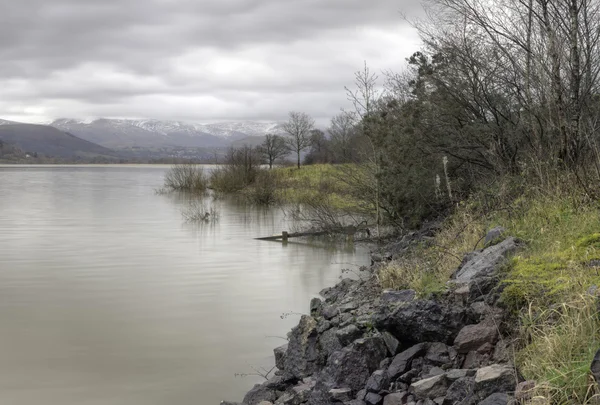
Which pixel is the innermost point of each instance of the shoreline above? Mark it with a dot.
(362, 345)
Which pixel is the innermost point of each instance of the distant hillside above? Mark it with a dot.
(121, 133)
(49, 141)
(249, 141)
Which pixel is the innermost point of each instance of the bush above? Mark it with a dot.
(239, 171)
(198, 211)
(265, 190)
(186, 177)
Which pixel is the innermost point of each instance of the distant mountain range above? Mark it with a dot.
(132, 139)
(49, 141)
(119, 134)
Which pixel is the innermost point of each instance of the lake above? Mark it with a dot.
(107, 296)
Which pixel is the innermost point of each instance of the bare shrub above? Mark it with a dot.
(200, 211)
(186, 177)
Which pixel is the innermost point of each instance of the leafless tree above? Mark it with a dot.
(274, 147)
(298, 129)
(342, 130)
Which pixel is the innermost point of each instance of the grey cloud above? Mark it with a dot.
(98, 56)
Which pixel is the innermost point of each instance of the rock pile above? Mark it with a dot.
(362, 346)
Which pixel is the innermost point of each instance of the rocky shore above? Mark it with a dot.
(361, 345)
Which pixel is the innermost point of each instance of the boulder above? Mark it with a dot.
(280, 353)
(494, 236)
(316, 307)
(348, 334)
(355, 402)
(472, 337)
(396, 398)
(439, 354)
(420, 321)
(432, 387)
(301, 359)
(461, 391)
(350, 367)
(373, 399)
(340, 394)
(595, 367)
(259, 394)
(330, 311)
(496, 399)
(402, 362)
(378, 381)
(393, 296)
(391, 342)
(485, 262)
(328, 343)
(495, 378)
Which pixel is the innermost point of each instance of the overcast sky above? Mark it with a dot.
(193, 60)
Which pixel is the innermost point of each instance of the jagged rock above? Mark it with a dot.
(348, 334)
(330, 311)
(378, 381)
(495, 378)
(396, 398)
(329, 343)
(474, 359)
(432, 387)
(595, 367)
(323, 325)
(455, 374)
(421, 321)
(301, 359)
(496, 399)
(373, 399)
(350, 306)
(393, 345)
(493, 236)
(230, 403)
(280, 353)
(385, 363)
(461, 391)
(402, 362)
(259, 394)
(355, 402)
(440, 354)
(472, 337)
(485, 263)
(393, 296)
(361, 394)
(435, 371)
(502, 352)
(316, 307)
(340, 394)
(265, 403)
(350, 367)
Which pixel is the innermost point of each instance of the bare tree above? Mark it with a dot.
(298, 129)
(274, 147)
(342, 131)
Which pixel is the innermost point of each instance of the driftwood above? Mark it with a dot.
(348, 230)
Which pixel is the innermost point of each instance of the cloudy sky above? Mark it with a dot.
(193, 60)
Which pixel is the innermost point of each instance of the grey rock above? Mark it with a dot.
(265, 403)
(472, 337)
(329, 343)
(455, 374)
(440, 354)
(230, 403)
(487, 261)
(421, 321)
(385, 363)
(348, 334)
(461, 391)
(258, 394)
(350, 306)
(316, 307)
(396, 398)
(474, 359)
(373, 399)
(355, 402)
(493, 236)
(330, 311)
(350, 367)
(361, 394)
(391, 342)
(496, 399)
(340, 394)
(280, 353)
(393, 296)
(435, 371)
(432, 387)
(301, 359)
(495, 378)
(439, 400)
(378, 381)
(323, 325)
(595, 367)
(402, 362)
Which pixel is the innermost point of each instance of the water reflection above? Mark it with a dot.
(108, 297)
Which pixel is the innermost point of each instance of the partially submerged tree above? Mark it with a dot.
(273, 148)
(298, 129)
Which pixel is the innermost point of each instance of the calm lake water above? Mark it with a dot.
(108, 297)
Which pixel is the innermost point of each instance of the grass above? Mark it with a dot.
(546, 283)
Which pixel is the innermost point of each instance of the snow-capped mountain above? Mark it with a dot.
(119, 133)
(5, 122)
